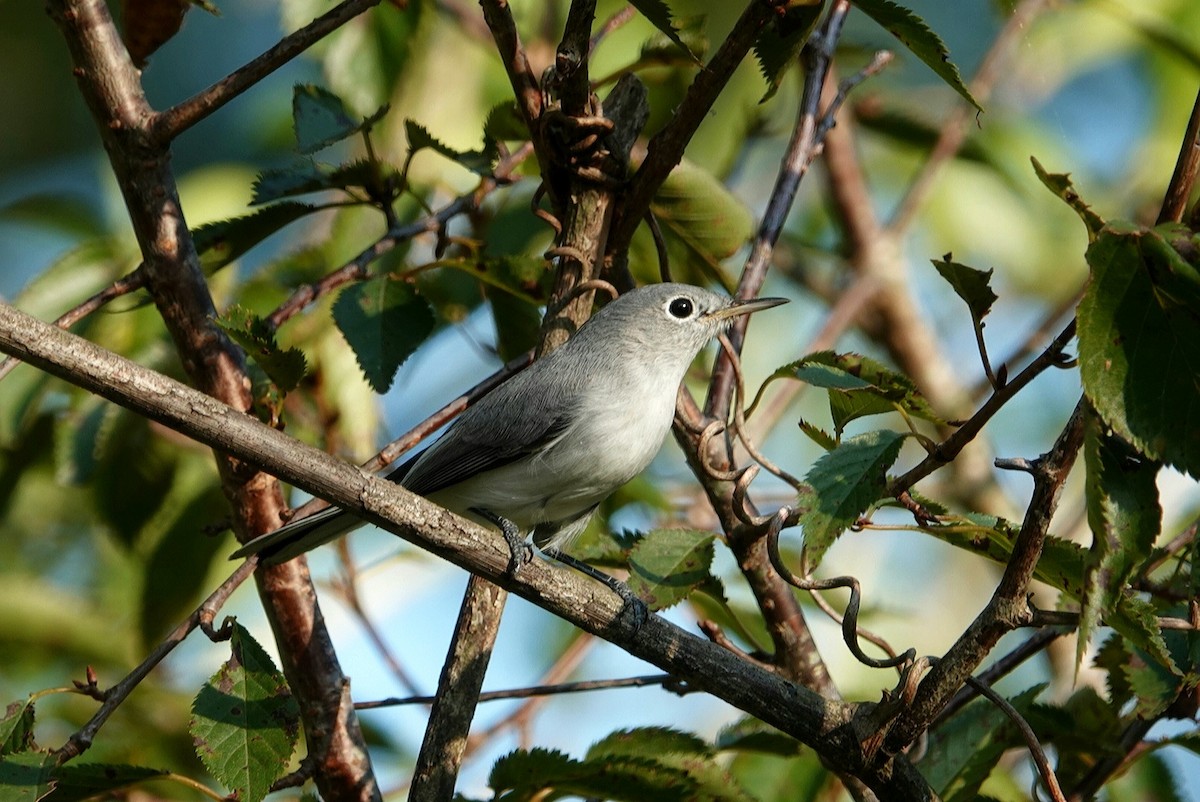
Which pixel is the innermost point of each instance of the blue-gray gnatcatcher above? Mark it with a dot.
(539, 453)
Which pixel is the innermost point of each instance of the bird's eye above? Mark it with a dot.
(681, 308)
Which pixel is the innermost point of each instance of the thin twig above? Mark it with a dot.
(1031, 740)
(113, 697)
(128, 283)
(171, 123)
(1179, 191)
(533, 691)
(949, 448)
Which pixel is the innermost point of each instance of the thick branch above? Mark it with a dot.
(111, 86)
(174, 121)
(831, 728)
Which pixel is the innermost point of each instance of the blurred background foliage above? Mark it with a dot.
(111, 528)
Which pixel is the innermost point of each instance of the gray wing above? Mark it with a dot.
(513, 421)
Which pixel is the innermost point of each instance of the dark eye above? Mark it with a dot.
(681, 308)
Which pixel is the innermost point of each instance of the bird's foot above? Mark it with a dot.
(520, 553)
(635, 609)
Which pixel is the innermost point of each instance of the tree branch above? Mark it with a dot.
(831, 728)
(167, 125)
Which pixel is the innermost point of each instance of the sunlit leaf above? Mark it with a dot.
(667, 565)
(846, 482)
(1060, 184)
(285, 367)
(920, 39)
(1125, 518)
(16, 728)
(244, 721)
(1139, 349)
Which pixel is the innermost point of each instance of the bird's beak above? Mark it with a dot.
(745, 307)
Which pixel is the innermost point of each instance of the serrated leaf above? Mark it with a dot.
(858, 386)
(504, 123)
(973, 286)
(649, 741)
(845, 483)
(964, 750)
(667, 565)
(75, 782)
(1125, 519)
(1061, 566)
(245, 723)
(778, 45)
(1153, 686)
(1139, 352)
(480, 162)
(305, 176)
(1113, 657)
(660, 49)
(321, 118)
(1060, 184)
(1084, 730)
(701, 213)
(753, 735)
(659, 15)
(818, 435)
(27, 776)
(285, 368)
(222, 242)
(16, 728)
(384, 321)
(920, 39)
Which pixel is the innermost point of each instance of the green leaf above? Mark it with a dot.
(480, 162)
(973, 286)
(306, 176)
(778, 45)
(72, 216)
(818, 435)
(245, 722)
(504, 123)
(285, 368)
(1060, 184)
(1154, 686)
(16, 728)
(75, 782)
(134, 471)
(27, 777)
(858, 386)
(750, 734)
(1084, 731)
(384, 321)
(1125, 519)
(920, 39)
(654, 741)
(659, 15)
(845, 483)
(518, 323)
(1061, 566)
(695, 208)
(222, 242)
(1139, 351)
(963, 751)
(321, 118)
(177, 569)
(1113, 657)
(667, 565)
(660, 49)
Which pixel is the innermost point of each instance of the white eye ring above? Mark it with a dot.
(681, 308)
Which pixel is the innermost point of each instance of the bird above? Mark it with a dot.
(538, 454)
